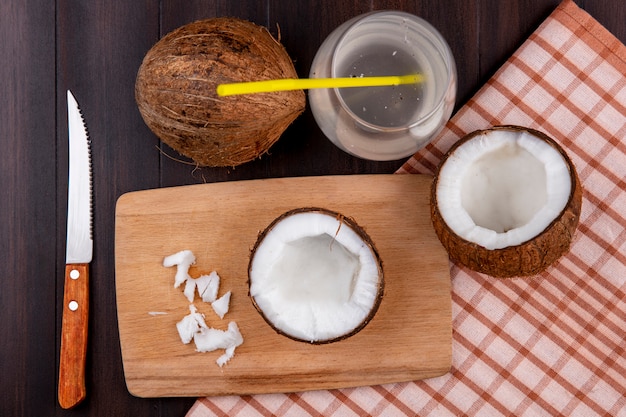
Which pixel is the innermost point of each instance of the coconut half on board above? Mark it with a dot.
(506, 201)
(315, 276)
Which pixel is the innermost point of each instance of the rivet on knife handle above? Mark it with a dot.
(72, 388)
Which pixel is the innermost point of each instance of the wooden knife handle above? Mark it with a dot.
(74, 335)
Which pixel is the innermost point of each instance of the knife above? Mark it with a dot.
(79, 251)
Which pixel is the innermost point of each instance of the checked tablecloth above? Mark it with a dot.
(553, 344)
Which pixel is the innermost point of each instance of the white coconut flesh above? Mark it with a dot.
(502, 188)
(314, 278)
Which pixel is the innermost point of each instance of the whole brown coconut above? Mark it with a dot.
(176, 94)
(528, 257)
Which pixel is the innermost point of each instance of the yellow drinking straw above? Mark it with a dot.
(270, 86)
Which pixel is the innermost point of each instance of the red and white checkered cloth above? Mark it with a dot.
(548, 345)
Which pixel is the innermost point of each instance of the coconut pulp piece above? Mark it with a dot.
(182, 260)
(191, 324)
(221, 305)
(210, 339)
(207, 339)
(208, 286)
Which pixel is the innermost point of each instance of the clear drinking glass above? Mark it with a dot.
(384, 123)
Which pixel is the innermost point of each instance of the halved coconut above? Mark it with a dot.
(315, 276)
(506, 201)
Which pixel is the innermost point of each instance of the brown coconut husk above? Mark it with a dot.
(344, 221)
(528, 258)
(176, 94)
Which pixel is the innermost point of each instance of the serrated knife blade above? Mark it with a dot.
(79, 252)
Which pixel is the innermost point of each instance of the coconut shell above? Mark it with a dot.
(528, 258)
(176, 94)
(348, 222)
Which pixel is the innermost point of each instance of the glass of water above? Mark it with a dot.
(391, 122)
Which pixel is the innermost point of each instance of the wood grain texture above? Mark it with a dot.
(409, 338)
(74, 335)
(28, 224)
(95, 49)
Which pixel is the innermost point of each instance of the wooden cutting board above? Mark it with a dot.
(408, 339)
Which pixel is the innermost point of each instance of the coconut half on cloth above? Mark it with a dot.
(315, 276)
(506, 201)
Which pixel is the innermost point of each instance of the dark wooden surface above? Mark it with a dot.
(95, 48)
